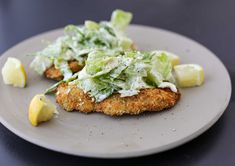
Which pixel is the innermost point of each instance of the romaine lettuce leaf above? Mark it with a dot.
(63, 66)
(78, 41)
(40, 64)
(125, 73)
(120, 19)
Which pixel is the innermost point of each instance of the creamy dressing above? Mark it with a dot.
(168, 85)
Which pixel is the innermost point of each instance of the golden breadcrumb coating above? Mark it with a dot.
(71, 98)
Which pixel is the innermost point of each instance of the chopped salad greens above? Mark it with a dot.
(111, 64)
(108, 72)
(78, 41)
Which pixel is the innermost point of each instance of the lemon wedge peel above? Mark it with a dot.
(13, 73)
(189, 75)
(41, 109)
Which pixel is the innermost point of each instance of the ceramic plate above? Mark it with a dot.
(98, 135)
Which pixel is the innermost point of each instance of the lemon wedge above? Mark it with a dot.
(41, 109)
(189, 75)
(13, 73)
(174, 59)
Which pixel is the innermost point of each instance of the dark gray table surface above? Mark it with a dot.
(210, 22)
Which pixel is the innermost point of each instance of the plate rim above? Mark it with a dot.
(126, 154)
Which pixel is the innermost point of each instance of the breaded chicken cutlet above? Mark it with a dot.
(71, 98)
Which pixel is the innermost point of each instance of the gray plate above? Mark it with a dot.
(98, 135)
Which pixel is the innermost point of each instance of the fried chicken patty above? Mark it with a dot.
(72, 98)
(55, 74)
